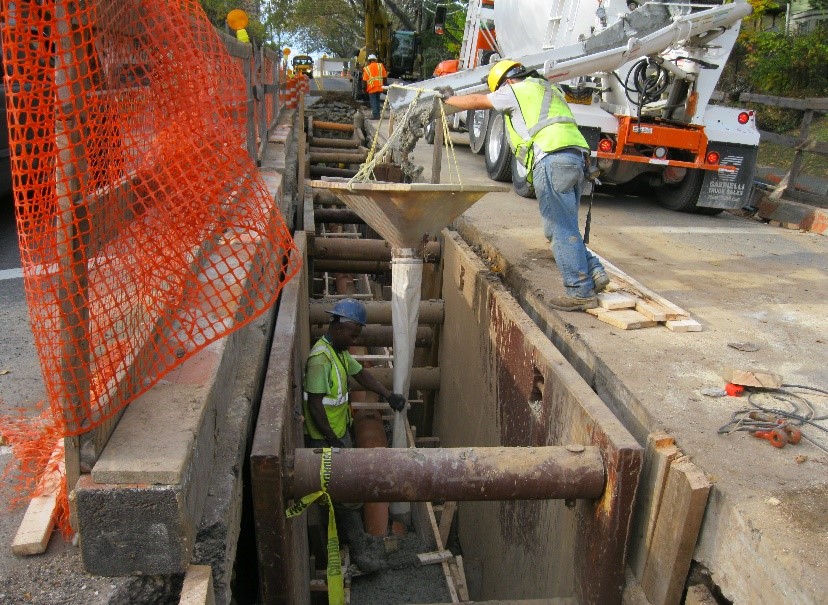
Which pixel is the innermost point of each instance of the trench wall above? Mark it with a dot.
(504, 384)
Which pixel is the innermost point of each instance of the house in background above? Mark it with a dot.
(807, 15)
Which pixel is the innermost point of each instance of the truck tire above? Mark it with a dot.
(477, 122)
(683, 196)
(522, 187)
(497, 152)
(428, 132)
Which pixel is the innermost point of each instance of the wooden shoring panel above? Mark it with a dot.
(523, 392)
(282, 547)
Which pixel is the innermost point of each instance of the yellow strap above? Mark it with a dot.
(336, 585)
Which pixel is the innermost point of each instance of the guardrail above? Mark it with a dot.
(800, 145)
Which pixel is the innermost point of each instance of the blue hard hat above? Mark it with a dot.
(350, 309)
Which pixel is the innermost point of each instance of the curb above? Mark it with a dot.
(794, 215)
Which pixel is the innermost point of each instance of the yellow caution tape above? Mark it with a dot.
(336, 585)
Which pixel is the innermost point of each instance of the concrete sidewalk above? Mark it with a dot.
(763, 538)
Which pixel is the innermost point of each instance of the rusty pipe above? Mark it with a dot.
(343, 216)
(370, 432)
(366, 267)
(380, 336)
(431, 312)
(335, 143)
(463, 474)
(320, 171)
(362, 249)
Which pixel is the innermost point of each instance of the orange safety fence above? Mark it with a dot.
(145, 230)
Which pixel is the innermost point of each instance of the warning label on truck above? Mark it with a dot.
(725, 188)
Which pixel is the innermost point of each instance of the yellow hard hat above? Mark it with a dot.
(500, 71)
(237, 19)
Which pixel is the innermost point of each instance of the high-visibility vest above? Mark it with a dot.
(374, 74)
(335, 401)
(544, 123)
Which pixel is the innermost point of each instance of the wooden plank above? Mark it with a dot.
(616, 300)
(198, 586)
(751, 377)
(626, 319)
(659, 455)
(627, 283)
(430, 558)
(651, 311)
(35, 529)
(819, 104)
(676, 531)
(446, 519)
(460, 578)
(683, 325)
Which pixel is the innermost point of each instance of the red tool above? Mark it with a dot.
(734, 390)
(777, 437)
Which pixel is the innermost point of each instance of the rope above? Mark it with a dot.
(366, 170)
(336, 584)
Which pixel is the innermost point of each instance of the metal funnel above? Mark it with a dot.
(406, 215)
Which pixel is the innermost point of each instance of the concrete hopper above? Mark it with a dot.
(407, 215)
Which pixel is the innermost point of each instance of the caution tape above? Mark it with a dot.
(336, 585)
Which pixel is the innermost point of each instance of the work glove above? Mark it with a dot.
(396, 401)
(336, 443)
(445, 92)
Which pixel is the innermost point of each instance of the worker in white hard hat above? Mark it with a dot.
(374, 77)
(545, 138)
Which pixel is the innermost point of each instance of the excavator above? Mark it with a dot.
(397, 49)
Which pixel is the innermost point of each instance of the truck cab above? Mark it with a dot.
(303, 64)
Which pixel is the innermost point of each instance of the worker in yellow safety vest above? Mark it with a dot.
(374, 77)
(328, 415)
(546, 140)
(326, 401)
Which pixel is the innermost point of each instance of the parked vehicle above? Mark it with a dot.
(639, 80)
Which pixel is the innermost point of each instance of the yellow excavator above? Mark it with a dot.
(395, 48)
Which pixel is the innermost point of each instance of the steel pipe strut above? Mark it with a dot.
(473, 473)
(380, 336)
(431, 312)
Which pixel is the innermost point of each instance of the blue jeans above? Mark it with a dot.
(558, 178)
(374, 99)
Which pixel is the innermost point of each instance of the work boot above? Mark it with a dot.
(573, 303)
(601, 280)
(350, 527)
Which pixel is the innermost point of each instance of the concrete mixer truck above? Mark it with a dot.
(639, 80)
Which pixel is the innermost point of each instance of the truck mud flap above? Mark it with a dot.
(728, 189)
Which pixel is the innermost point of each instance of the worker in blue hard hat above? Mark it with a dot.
(546, 140)
(326, 401)
(328, 414)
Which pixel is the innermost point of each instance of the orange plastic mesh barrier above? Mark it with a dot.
(145, 230)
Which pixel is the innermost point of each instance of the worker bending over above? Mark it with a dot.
(374, 77)
(545, 138)
(328, 413)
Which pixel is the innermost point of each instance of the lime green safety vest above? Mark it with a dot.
(336, 399)
(544, 123)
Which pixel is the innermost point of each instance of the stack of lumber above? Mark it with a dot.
(629, 305)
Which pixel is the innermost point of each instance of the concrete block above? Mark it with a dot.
(139, 509)
(798, 215)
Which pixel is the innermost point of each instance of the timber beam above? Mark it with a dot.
(431, 312)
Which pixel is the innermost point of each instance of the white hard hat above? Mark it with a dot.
(374, 57)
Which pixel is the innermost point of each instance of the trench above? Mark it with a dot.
(483, 376)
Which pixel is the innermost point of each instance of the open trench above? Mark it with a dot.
(485, 382)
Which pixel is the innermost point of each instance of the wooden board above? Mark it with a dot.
(683, 325)
(659, 455)
(626, 319)
(630, 285)
(459, 573)
(446, 517)
(676, 531)
(752, 377)
(616, 300)
(651, 311)
(430, 558)
(198, 586)
(34, 532)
